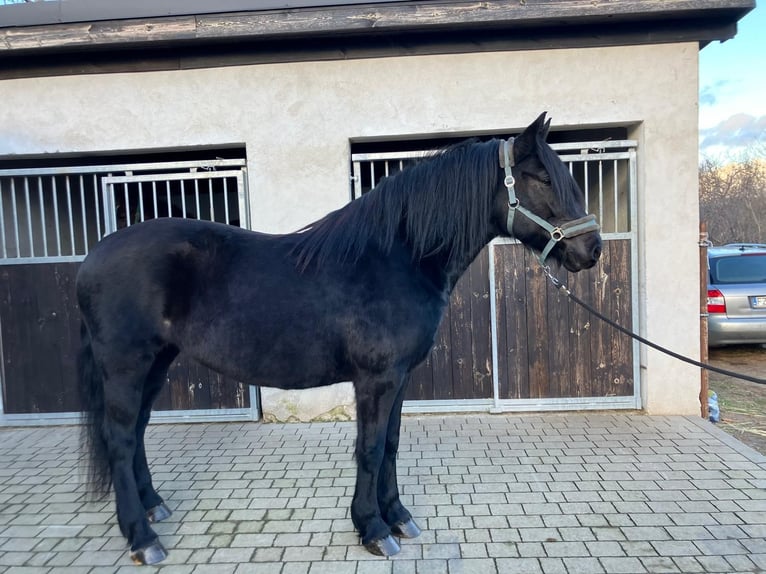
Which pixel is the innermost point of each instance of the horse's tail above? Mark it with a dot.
(99, 478)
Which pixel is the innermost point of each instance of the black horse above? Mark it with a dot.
(356, 296)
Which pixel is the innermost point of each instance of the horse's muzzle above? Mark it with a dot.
(582, 252)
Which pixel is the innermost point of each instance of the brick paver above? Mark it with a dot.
(574, 494)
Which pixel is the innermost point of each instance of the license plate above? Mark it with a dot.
(759, 302)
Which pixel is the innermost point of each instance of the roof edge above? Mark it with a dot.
(357, 19)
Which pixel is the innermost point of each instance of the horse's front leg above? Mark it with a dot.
(394, 513)
(375, 399)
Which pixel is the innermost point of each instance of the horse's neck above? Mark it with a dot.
(445, 272)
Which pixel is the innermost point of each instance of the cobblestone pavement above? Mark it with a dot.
(574, 493)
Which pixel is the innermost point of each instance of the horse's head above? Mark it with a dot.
(541, 204)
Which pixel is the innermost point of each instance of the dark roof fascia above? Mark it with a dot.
(361, 30)
(47, 12)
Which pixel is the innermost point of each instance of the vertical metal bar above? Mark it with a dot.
(242, 200)
(600, 200)
(56, 216)
(141, 200)
(183, 199)
(372, 175)
(210, 191)
(29, 218)
(616, 188)
(15, 211)
(226, 201)
(2, 226)
(357, 178)
(385, 168)
(633, 197)
(84, 217)
(154, 199)
(167, 191)
(70, 212)
(196, 197)
(601, 187)
(127, 204)
(98, 210)
(41, 199)
(109, 205)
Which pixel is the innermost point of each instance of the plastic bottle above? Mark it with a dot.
(712, 406)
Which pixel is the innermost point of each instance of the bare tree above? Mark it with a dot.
(733, 199)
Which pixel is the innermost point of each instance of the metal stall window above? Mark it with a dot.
(52, 215)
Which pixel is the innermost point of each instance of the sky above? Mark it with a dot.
(732, 100)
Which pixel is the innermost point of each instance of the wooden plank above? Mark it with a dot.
(481, 329)
(622, 382)
(461, 357)
(421, 385)
(557, 343)
(501, 314)
(514, 382)
(581, 326)
(440, 360)
(537, 330)
(601, 333)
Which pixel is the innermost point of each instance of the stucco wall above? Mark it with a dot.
(296, 121)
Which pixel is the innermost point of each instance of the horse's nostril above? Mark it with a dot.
(596, 253)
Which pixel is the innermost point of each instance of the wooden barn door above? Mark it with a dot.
(48, 220)
(549, 347)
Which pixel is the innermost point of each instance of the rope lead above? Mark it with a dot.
(558, 284)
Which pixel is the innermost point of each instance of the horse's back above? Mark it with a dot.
(149, 272)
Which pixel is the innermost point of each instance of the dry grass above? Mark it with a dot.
(742, 404)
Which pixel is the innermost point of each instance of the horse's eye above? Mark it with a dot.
(541, 176)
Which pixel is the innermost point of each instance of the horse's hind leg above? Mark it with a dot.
(156, 509)
(394, 513)
(123, 394)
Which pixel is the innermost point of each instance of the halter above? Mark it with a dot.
(564, 231)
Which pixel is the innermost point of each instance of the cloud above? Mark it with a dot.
(738, 131)
(709, 93)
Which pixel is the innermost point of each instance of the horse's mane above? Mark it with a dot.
(441, 203)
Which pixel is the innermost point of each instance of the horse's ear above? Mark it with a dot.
(526, 143)
(545, 129)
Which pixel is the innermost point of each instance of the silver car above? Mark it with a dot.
(736, 294)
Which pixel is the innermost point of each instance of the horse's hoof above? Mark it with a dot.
(387, 546)
(407, 529)
(158, 513)
(151, 554)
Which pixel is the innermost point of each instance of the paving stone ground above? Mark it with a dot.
(560, 493)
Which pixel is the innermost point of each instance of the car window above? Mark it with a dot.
(739, 269)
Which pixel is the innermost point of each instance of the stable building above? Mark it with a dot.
(269, 114)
